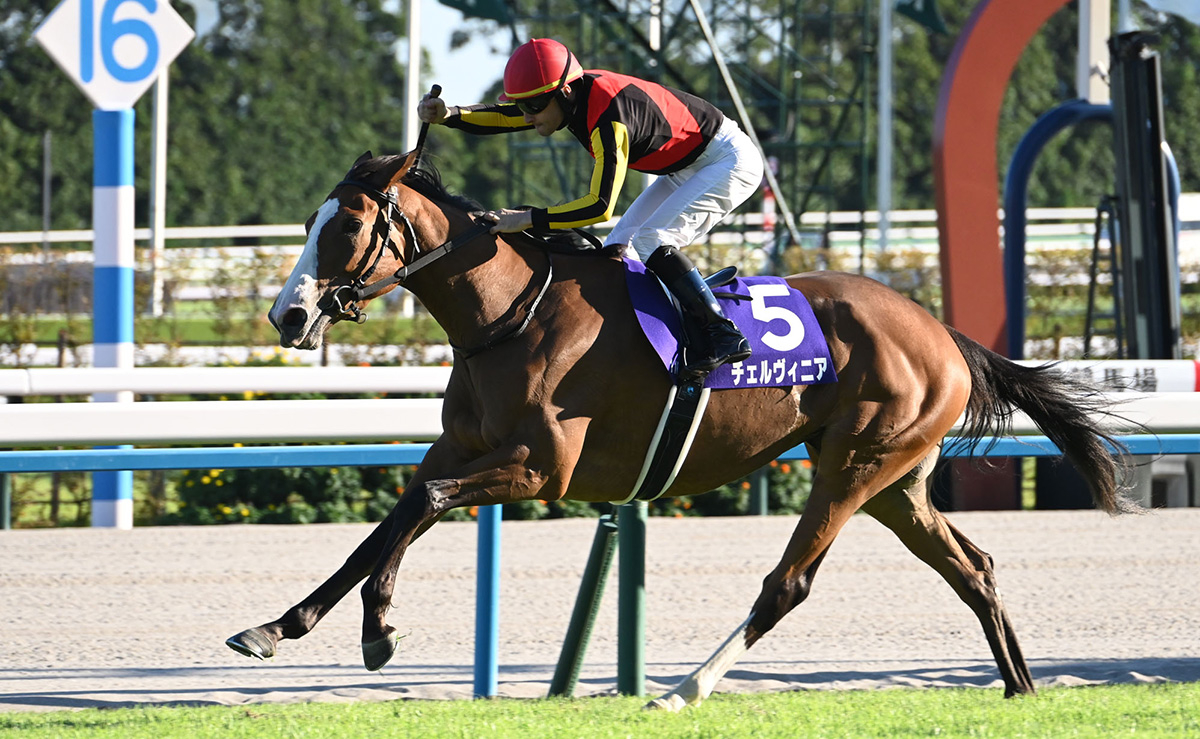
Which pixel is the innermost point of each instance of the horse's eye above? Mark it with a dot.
(351, 226)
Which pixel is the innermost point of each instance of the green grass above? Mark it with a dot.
(1168, 710)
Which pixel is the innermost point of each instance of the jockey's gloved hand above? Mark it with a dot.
(431, 109)
(508, 220)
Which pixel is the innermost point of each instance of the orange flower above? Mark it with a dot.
(806, 463)
(745, 485)
(774, 462)
(473, 511)
(785, 468)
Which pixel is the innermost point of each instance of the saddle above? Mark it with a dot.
(563, 241)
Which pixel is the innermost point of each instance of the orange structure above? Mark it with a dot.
(965, 170)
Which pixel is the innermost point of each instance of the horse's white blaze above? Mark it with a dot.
(699, 685)
(300, 290)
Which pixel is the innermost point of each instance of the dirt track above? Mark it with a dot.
(114, 618)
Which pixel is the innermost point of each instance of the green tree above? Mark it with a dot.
(267, 107)
(275, 99)
(36, 98)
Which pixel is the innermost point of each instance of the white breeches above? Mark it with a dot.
(678, 208)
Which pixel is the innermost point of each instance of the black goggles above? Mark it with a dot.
(535, 105)
(538, 103)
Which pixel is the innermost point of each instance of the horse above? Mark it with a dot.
(553, 395)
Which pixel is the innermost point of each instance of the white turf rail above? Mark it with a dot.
(241, 421)
(220, 421)
(50, 424)
(236, 380)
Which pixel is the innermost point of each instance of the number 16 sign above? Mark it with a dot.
(113, 49)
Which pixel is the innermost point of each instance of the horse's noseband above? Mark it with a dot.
(343, 301)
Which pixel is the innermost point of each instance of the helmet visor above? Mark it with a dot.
(536, 104)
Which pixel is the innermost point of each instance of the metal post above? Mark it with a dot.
(883, 182)
(1147, 244)
(112, 307)
(587, 604)
(46, 180)
(487, 602)
(412, 84)
(758, 492)
(5, 502)
(158, 191)
(631, 599)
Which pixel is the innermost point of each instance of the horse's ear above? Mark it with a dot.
(407, 162)
(366, 156)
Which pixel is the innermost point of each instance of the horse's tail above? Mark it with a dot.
(1064, 408)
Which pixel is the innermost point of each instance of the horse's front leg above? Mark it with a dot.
(507, 475)
(261, 641)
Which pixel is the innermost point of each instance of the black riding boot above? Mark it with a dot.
(721, 342)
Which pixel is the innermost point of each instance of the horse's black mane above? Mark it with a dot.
(425, 179)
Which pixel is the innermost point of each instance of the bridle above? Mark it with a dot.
(342, 301)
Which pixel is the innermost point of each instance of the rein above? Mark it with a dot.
(517, 330)
(344, 298)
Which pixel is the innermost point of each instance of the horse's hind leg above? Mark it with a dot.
(904, 507)
(839, 489)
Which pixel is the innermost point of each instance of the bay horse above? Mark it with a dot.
(554, 394)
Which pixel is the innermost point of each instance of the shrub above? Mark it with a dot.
(287, 495)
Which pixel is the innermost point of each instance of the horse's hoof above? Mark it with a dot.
(672, 702)
(252, 643)
(378, 653)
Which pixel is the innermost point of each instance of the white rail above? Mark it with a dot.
(218, 421)
(175, 380)
(240, 421)
(1147, 375)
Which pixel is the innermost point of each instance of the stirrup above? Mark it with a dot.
(701, 367)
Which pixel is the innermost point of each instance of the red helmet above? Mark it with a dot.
(539, 66)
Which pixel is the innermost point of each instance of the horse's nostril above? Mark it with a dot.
(294, 317)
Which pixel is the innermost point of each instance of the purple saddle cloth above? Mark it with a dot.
(787, 344)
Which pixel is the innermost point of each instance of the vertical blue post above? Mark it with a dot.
(487, 602)
(112, 290)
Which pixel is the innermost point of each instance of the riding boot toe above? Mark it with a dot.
(725, 345)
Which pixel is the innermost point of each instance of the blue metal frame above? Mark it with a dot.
(375, 455)
(1016, 191)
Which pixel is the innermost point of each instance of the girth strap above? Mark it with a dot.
(672, 440)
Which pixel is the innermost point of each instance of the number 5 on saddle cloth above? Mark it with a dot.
(787, 344)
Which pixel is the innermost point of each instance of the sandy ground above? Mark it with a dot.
(118, 618)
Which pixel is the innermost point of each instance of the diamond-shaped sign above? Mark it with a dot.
(113, 49)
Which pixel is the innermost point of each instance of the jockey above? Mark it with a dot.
(706, 165)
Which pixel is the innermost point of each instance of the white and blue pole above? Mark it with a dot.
(112, 289)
